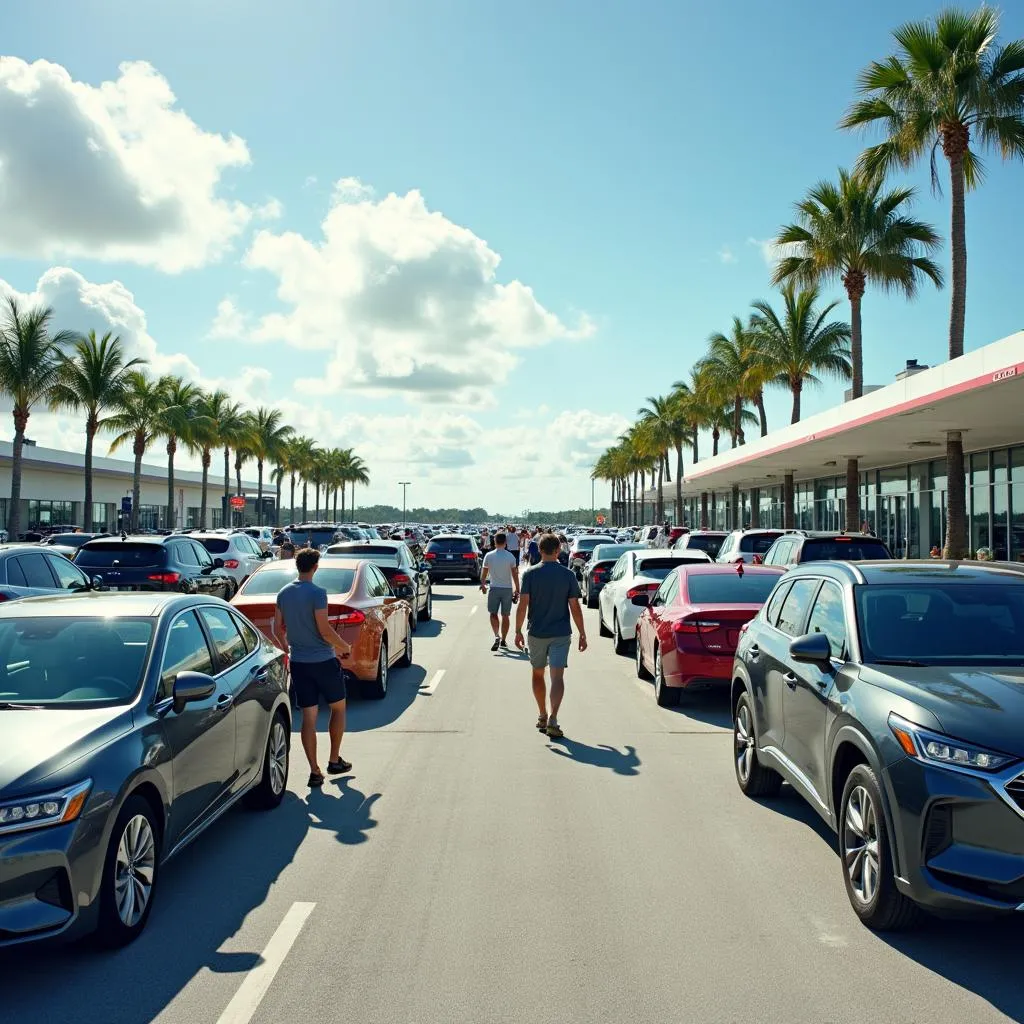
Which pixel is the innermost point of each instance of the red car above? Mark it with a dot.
(686, 636)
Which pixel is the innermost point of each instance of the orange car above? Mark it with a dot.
(360, 605)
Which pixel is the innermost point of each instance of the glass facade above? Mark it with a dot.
(50, 513)
(904, 505)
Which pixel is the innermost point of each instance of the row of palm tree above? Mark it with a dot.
(92, 375)
(949, 87)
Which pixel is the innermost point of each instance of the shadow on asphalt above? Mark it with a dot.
(204, 898)
(403, 683)
(427, 630)
(708, 706)
(622, 762)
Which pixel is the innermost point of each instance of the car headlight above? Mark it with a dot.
(938, 749)
(40, 811)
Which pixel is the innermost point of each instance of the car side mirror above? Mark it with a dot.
(218, 563)
(190, 687)
(96, 582)
(813, 648)
(641, 600)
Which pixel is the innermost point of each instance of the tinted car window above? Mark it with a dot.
(589, 543)
(656, 568)
(311, 538)
(203, 557)
(183, 554)
(128, 554)
(70, 540)
(712, 545)
(227, 640)
(37, 572)
(270, 581)
(667, 591)
(941, 625)
(451, 545)
(794, 608)
(186, 651)
(68, 576)
(828, 617)
(249, 635)
(771, 613)
(729, 588)
(215, 545)
(818, 549)
(757, 543)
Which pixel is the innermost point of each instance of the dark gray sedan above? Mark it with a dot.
(128, 724)
(29, 570)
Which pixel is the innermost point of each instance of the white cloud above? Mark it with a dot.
(772, 253)
(272, 209)
(401, 300)
(111, 172)
(229, 322)
(726, 255)
(351, 190)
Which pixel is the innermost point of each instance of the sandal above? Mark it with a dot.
(315, 780)
(542, 723)
(554, 731)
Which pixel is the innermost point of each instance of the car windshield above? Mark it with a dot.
(589, 543)
(128, 554)
(757, 543)
(610, 552)
(77, 660)
(450, 545)
(306, 537)
(712, 545)
(849, 549)
(271, 580)
(942, 624)
(730, 587)
(215, 545)
(358, 550)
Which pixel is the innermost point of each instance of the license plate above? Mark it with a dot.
(449, 557)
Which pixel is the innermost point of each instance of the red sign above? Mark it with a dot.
(238, 501)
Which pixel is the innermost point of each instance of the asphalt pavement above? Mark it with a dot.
(470, 870)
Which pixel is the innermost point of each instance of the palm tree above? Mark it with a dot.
(177, 424)
(949, 79)
(206, 435)
(92, 379)
(696, 400)
(30, 366)
(138, 419)
(858, 233)
(358, 473)
(736, 373)
(231, 427)
(296, 450)
(802, 342)
(654, 423)
(266, 439)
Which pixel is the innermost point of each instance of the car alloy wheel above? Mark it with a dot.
(666, 696)
(277, 751)
(134, 867)
(743, 737)
(860, 844)
(754, 778)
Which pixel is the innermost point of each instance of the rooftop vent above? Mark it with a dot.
(912, 367)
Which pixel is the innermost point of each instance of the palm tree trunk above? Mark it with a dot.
(172, 447)
(737, 421)
(659, 500)
(855, 289)
(761, 414)
(852, 495)
(633, 503)
(291, 507)
(238, 472)
(277, 496)
(344, 490)
(679, 484)
(352, 506)
(91, 426)
(205, 486)
(957, 542)
(796, 386)
(140, 450)
(788, 502)
(305, 496)
(335, 506)
(716, 436)
(755, 508)
(316, 513)
(14, 518)
(668, 474)
(696, 443)
(259, 492)
(703, 510)
(958, 248)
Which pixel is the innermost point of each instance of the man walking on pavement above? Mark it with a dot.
(550, 596)
(512, 542)
(503, 570)
(301, 623)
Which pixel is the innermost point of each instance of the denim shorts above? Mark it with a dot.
(550, 651)
(499, 601)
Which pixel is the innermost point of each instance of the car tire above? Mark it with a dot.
(269, 791)
(641, 668)
(869, 876)
(406, 659)
(602, 629)
(753, 777)
(427, 611)
(414, 621)
(666, 696)
(620, 642)
(591, 598)
(377, 688)
(133, 857)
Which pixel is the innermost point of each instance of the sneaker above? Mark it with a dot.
(503, 645)
(496, 644)
(339, 767)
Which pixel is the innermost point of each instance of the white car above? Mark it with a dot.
(242, 555)
(636, 572)
(263, 535)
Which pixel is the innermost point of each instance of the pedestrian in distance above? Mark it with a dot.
(511, 542)
(287, 550)
(302, 628)
(533, 550)
(503, 571)
(550, 598)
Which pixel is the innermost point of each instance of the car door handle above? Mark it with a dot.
(224, 701)
(791, 680)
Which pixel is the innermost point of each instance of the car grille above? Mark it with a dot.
(1015, 791)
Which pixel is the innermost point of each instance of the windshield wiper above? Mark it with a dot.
(6, 705)
(905, 662)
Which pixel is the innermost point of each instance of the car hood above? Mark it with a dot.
(35, 744)
(980, 705)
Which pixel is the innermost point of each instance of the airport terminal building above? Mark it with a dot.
(898, 435)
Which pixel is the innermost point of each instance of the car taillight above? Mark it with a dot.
(345, 616)
(644, 588)
(469, 555)
(400, 580)
(231, 563)
(430, 556)
(3, 597)
(693, 625)
(164, 577)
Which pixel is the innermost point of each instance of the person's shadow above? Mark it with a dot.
(622, 762)
(349, 814)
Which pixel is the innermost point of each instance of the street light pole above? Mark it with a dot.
(593, 507)
(404, 483)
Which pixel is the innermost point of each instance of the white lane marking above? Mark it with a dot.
(252, 990)
(432, 685)
(472, 611)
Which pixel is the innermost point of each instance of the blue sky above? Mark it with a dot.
(624, 162)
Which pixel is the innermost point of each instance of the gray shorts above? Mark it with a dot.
(550, 651)
(499, 601)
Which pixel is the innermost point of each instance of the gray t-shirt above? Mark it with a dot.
(499, 564)
(299, 601)
(550, 587)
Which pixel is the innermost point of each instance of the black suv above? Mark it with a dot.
(890, 695)
(409, 579)
(452, 555)
(174, 563)
(798, 546)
